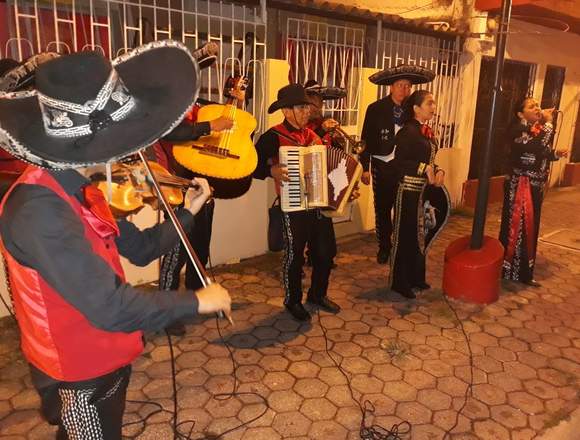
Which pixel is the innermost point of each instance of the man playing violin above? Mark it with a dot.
(300, 227)
(81, 323)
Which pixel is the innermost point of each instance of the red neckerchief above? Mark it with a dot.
(96, 203)
(426, 131)
(536, 129)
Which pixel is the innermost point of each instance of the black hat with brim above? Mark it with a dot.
(414, 74)
(326, 93)
(22, 75)
(160, 80)
(288, 97)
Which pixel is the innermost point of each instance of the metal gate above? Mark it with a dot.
(438, 54)
(330, 54)
(116, 26)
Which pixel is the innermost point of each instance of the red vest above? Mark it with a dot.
(55, 337)
(304, 137)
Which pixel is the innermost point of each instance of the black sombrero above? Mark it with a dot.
(22, 75)
(87, 111)
(414, 74)
(288, 97)
(326, 93)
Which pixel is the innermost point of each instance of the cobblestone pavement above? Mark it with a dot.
(409, 358)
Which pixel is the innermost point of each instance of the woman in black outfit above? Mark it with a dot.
(414, 159)
(530, 153)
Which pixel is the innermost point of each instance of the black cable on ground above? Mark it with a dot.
(469, 388)
(398, 431)
(176, 427)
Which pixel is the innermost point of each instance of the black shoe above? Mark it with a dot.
(176, 329)
(532, 283)
(407, 293)
(423, 286)
(325, 304)
(383, 257)
(298, 312)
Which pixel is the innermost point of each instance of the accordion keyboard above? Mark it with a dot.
(290, 192)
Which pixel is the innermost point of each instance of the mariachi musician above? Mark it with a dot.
(300, 227)
(383, 119)
(80, 322)
(422, 203)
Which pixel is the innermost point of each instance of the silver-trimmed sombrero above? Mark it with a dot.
(326, 93)
(415, 74)
(87, 110)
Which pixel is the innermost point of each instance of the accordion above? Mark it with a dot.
(320, 177)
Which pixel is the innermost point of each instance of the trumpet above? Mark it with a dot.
(357, 146)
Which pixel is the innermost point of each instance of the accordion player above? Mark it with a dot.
(320, 177)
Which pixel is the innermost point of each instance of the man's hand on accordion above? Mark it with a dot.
(355, 194)
(279, 173)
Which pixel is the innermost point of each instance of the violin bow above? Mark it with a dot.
(201, 272)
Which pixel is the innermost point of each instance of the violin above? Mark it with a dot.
(131, 190)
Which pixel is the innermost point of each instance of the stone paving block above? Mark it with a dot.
(420, 379)
(400, 391)
(318, 409)
(525, 402)
(279, 380)
(434, 399)
(414, 412)
(505, 381)
(490, 430)
(509, 416)
(340, 396)
(327, 430)
(291, 424)
(427, 432)
(489, 394)
(541, 389)
(473, 409)
(450, 420)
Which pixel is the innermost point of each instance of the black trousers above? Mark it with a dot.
(300, 228)
(407, 260)
(385, 181)
(200, 237)
(87, 410)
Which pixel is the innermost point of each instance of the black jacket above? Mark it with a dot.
(414, 151)
(529, 151)
(378, 130)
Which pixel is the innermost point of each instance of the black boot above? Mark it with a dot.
(407, 293)
(298, 312)
(383, 256)
(325, 304)
(532, 283)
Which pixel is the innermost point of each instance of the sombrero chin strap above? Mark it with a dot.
(71, 120)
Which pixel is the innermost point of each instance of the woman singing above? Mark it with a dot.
(530, 153)
(414, 156)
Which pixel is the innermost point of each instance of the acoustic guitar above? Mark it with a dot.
(228, 158)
